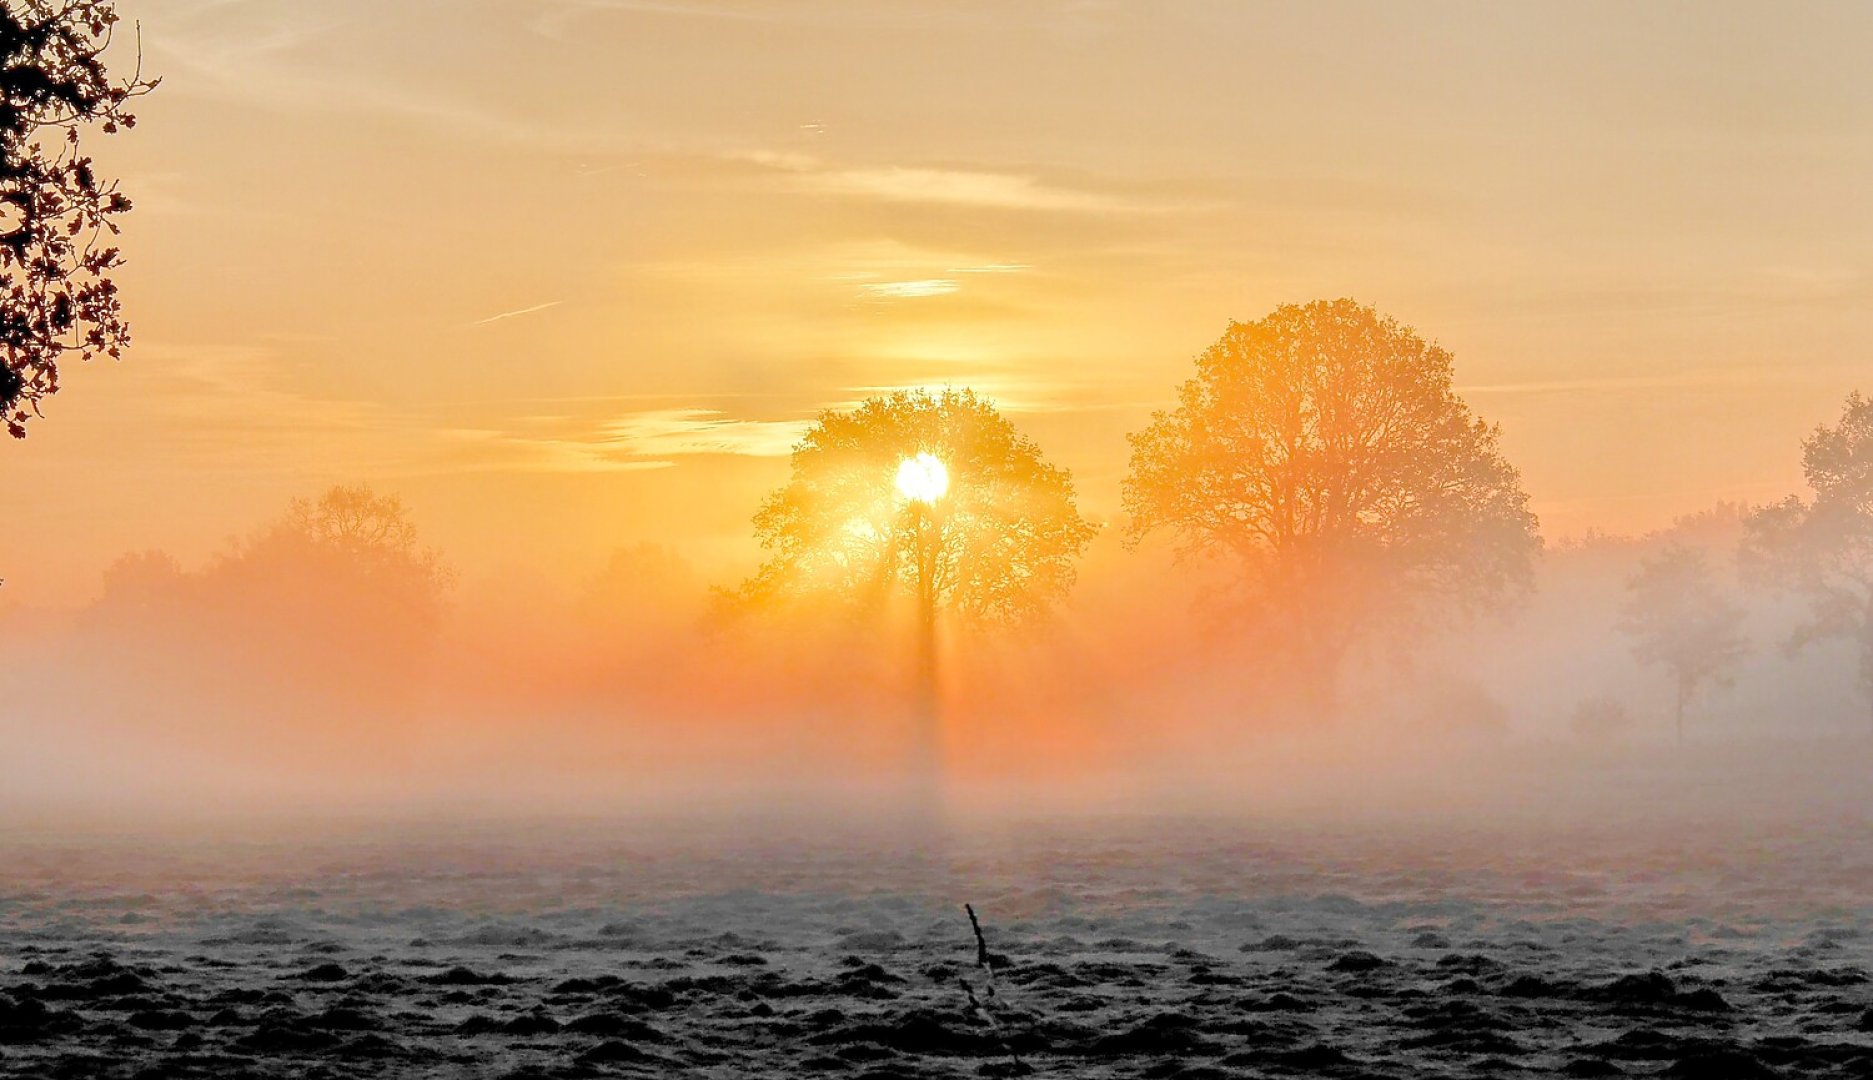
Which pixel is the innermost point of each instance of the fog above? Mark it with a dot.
(270, 684)
(319, 800)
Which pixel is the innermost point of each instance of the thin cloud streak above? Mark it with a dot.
(516, 313)
(981, 188)
(677, 432)
(1681, 380)
(909, 290)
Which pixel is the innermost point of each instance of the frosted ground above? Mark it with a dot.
(1166, 948)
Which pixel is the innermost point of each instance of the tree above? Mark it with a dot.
(1822, 549)
(141, 581)
(338, 592)
(351, 534)
(359, 524)
(1325, 453)
(57, 298)
(1680, 619)
(997, 547)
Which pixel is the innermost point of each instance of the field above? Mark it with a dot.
(1133, 948)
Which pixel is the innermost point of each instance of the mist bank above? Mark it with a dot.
(270, 684)
(1529, 791)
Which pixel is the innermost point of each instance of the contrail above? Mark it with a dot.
(513, 314)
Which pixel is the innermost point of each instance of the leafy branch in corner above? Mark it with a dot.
(58, 296)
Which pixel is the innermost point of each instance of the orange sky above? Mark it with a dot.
(570, 274)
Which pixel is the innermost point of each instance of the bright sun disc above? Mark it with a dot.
(923, 478)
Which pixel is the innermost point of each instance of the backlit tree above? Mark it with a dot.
(1324, 452)
(1001, 538)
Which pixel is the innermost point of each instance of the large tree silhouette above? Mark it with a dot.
(1002, 539)
(1822, 548)
(1324, 452)
(57, 297)
(1679, 618)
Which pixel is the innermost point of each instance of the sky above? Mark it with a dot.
(573, 274)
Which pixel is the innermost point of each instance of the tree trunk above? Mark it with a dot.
(926, 736)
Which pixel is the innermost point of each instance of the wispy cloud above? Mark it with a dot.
(516, 313)
(676, 432)
(1744, 377)
(558, 17)
(494, 449)
(956, 187)
(208, 396)
(908, 290)
(647, 439)
(277, 55)
(1006, 191)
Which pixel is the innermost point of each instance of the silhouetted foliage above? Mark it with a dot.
(1679, 618)
(1005, 535)
(350, 545)
(1325, 452)
(142, 581)
(58, 298)
(1823, 548)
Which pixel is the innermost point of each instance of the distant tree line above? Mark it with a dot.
(1818, 550)
(335, 597)
(1319, 468)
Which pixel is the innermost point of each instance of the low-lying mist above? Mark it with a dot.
(290, 678)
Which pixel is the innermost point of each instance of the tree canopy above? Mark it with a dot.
(337, 592)
(57, 298)
(348, 543)
(1679, 618)
(1005, 534)
(1324, 450)
(1822, 548)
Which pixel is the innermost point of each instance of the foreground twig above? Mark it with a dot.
(989, 1003)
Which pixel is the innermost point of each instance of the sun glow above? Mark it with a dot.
(923, 478)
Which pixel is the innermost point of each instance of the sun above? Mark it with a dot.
(923, 478)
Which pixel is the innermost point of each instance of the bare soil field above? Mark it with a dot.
(1165, 948)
